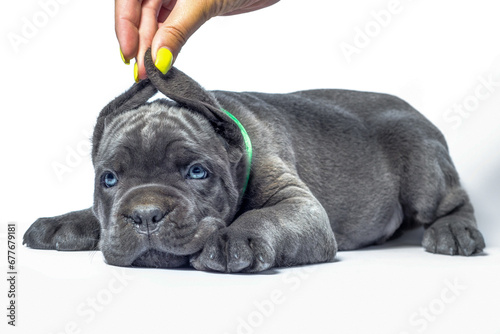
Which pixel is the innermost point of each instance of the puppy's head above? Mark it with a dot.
(166, 176)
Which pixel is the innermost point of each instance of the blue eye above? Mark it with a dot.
(197, 172)
(108, 180)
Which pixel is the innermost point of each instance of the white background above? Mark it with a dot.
(437, 55)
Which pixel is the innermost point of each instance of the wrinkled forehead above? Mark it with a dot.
(152, 127)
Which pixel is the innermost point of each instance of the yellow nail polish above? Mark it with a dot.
(126, 61)
(136, 72)
(164, 60)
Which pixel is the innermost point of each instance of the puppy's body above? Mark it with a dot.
(331, 169)
(344, 149)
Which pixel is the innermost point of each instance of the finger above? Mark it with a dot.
(127, 20)
(147, 29)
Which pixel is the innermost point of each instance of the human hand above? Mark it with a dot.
(166, 25)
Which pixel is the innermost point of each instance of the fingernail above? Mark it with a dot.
(126, 61)
(136, 72)
(164, 60)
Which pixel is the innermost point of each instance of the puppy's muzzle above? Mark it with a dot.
(163, 220)
(146, 207)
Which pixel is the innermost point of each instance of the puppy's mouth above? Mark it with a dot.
(162, 246)
(184, 240)
(176, 253)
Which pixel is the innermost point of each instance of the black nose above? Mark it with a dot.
(146, 218)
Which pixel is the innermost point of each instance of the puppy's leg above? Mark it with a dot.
(454, 232)
(290, 228)
(77, 230)
(432, 196)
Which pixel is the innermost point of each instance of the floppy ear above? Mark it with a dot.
(136, 96)
(189, 94)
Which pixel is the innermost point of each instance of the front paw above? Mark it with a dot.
(234, 250)
(77, 230)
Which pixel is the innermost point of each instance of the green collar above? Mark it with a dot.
(248, 147)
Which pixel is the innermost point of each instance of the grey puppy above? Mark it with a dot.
(306, 174)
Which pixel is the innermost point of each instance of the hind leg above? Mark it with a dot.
(455, 232)
(434, 198)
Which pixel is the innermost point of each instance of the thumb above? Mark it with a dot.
(184, 19)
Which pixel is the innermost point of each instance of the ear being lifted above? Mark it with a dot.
(136, 96)
(189, 94)
(177, 84)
